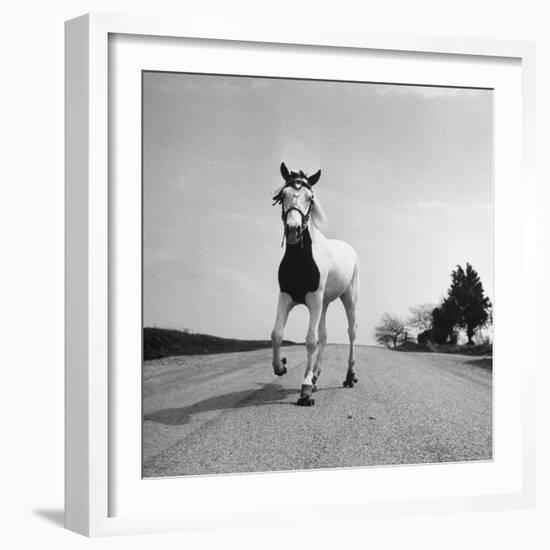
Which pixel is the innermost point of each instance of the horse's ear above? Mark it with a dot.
(284, 171)
(312, 180)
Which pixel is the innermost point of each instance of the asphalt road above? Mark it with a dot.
(230, 413)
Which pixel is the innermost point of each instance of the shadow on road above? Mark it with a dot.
(267, 394)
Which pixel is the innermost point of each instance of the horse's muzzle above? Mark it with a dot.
(293, 233)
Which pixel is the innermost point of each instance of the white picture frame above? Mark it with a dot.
(92, 397)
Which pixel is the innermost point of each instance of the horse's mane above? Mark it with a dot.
(318, 216)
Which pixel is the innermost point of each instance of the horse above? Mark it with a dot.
(314, 271)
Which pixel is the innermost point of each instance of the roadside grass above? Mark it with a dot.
(482, 362)
(462, 349)
(485, 350)
(160, 342)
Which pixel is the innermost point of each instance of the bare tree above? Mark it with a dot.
(390, 330)
(421, 317)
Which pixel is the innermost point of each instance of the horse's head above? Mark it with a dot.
(296, 199)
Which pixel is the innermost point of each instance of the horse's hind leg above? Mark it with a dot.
(349, 299)
(321, 348)
(284, 306)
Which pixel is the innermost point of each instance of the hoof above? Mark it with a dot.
(314, 388)
(350, 381)
(305, 401)
(283, 369)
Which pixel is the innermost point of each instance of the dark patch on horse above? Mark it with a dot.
(298, 272)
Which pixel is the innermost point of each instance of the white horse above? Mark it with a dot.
(314, 271)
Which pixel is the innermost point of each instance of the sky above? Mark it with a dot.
(407, 180)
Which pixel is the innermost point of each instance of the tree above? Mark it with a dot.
(467, 300)
(421, 317)
(391, 329)
(490, 316)
(444, 320)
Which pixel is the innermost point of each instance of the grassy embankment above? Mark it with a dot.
(159, 342)
(484, 352)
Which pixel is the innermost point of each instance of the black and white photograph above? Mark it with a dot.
(275, 275)
(317, 274)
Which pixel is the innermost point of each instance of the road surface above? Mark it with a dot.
(229, 413)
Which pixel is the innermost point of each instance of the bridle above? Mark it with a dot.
(296, 183)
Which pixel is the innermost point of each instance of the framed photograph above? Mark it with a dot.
(297, 266)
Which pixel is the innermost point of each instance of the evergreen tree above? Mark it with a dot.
(444, 320)
(467, 298)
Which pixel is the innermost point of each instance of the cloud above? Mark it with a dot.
(484, 205)
(231, 279)
(427, 92)
(260, 83)
(432, 204)
(435, 205)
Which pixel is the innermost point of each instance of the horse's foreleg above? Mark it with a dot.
(284, 305)
(314, 302)
(322, 344)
